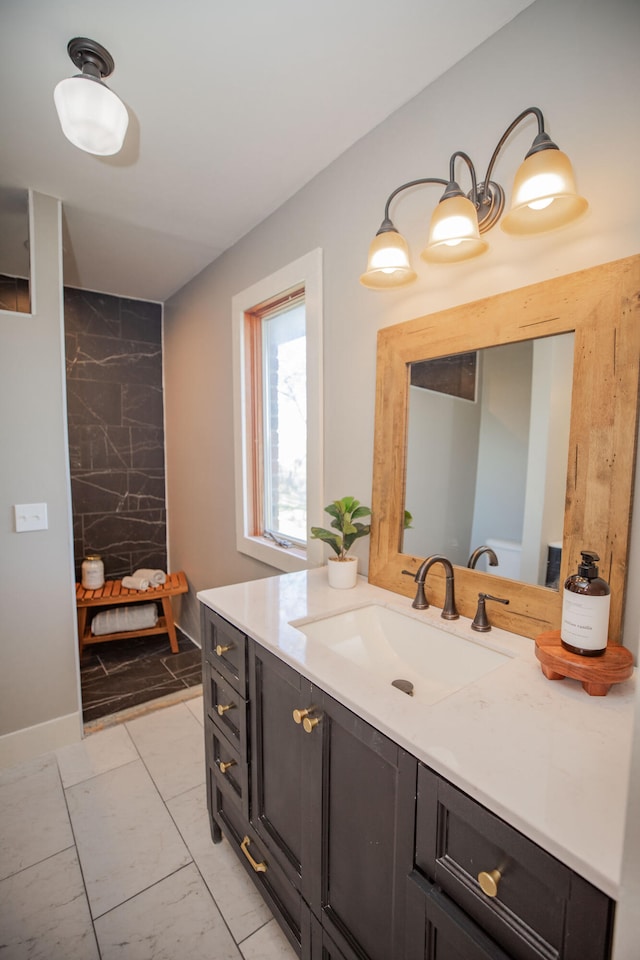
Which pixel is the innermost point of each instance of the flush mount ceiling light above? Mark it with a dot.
(92, 116)
(544, 197)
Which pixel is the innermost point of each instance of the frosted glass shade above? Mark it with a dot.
(544, 194)
(388, 264)
(454, 234)
(91, 115)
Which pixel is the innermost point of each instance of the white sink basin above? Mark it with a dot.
(391, 645)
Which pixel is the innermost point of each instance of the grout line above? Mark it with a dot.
(202, 877)
(79, 861)
(37, 863)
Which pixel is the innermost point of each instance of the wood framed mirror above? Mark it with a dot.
(601, 307)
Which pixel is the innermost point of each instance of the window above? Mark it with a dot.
(278, 414)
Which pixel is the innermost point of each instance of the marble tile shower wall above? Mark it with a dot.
(116, 430)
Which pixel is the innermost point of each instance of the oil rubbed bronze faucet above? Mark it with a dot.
(477, 553)
(449, 611)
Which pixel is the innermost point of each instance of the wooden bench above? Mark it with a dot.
(112, 594)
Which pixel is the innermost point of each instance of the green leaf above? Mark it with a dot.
(334, 541)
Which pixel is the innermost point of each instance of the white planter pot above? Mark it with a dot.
(343, 574)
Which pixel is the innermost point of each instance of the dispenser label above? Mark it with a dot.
(585, 620)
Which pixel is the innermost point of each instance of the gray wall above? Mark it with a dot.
(38, 650)
(340, 210)
(578, 61)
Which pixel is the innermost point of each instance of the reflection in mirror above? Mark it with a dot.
(14, 250)
(487, 451)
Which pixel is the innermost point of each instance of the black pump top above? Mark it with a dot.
(588, 567)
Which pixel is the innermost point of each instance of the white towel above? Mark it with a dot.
(131, 617)
(135, 583)
(155, 577)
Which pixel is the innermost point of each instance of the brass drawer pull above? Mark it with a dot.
(258, 867)
(220, 649)
(299, 715)
(223, 767)
(489, 882)
(223, 707)
(309, 723)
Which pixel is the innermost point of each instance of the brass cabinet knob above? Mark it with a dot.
(489, 882)
(223, 767)
(309, 723)
(258, 867)
(299, 715)
(220, 649)
(223, 707)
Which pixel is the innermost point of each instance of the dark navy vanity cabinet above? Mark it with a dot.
(361, 851)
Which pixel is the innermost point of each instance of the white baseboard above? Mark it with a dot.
(31, 742)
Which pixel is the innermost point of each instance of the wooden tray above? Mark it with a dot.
(597, 674)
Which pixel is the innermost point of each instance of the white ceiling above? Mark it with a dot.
(233, 107)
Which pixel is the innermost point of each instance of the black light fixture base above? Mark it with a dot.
(89, 53)
(490, 204)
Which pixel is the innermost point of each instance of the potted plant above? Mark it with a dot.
(343, 569)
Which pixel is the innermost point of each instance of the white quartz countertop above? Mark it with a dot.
(543, 755)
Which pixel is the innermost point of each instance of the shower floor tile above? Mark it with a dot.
(122, 674)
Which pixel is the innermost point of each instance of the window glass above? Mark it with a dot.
(277, 366)
(284, 376)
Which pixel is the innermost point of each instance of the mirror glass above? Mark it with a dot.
(487, 451)
(15, 258)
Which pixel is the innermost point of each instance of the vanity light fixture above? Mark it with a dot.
(544, 197)
(92, 116)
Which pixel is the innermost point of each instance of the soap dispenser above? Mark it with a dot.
(585, 609)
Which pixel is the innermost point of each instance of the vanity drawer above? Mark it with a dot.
(228, 769)
(437, 929)
(226, 708)
(225, 647)
(535, 907)
(284, 900)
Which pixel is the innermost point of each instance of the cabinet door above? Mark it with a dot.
(367, 834)
(285, 769)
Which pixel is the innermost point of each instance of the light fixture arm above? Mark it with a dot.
(387, 223)
(541, 142)
(452, 187)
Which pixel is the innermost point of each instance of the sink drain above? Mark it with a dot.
(405, 685)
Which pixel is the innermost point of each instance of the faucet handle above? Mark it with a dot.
(480, 621)
(420, 602)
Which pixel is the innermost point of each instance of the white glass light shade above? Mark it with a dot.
(91, 115)
(454, 234)
(388, 264)
(544, 194)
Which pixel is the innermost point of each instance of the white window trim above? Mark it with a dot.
(308, 271)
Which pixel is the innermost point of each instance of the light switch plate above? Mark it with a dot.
(30, 516)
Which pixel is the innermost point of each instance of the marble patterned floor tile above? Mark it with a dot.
(122, 674)
(171, 743)
(116, 655)
(125, 836)
(186, 665)
(34, 824)
(197, 708)
(95, 754)
(269, 943)
(44, 914)
(240, 903)
(174, 918)
(109, 694)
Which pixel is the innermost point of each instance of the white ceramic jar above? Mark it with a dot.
(92, 572)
